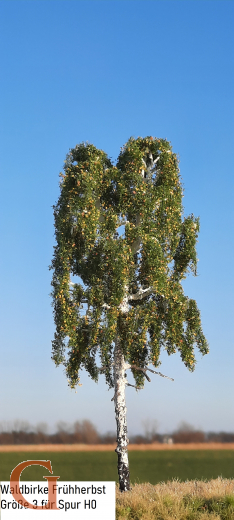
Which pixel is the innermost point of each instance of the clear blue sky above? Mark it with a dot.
(103, 71)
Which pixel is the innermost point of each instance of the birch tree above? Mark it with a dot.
(122, 250)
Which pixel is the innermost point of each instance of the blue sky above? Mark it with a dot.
(103, 71)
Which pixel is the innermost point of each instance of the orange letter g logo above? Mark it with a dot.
(52, 481)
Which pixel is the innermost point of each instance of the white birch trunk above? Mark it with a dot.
(119, 398)
(121, 419)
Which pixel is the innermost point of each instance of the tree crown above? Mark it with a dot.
(120, 230)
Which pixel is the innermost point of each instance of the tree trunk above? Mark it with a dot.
(121, 419)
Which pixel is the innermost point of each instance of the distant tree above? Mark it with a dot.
(187, 433)
(119, 231)
(85, 432)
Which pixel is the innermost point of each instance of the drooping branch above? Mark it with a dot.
(99, 208)
(144, 370)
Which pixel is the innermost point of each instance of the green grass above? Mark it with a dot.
(149, 466)
(158, 466)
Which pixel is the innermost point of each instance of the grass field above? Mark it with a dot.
(192, 500)
(148, 466)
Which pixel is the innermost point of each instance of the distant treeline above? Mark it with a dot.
(84, 432)
(184, 437)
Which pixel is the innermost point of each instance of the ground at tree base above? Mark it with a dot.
(174, 500)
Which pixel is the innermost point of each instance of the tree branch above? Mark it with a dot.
(99, 207)
(106, 306)
(141, 294)
(102, 369)
(149, 370)
(133, 386)
(136, 245)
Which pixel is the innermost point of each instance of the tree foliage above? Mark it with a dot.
(120, 232)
